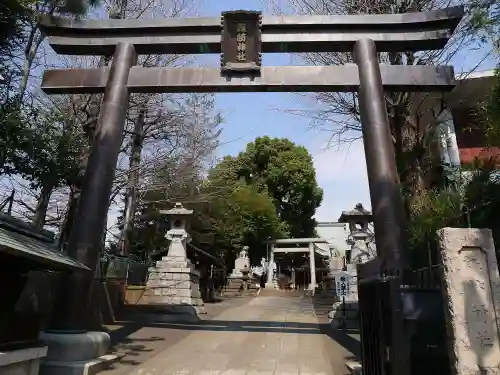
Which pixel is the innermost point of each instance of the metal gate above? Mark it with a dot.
(373, 335)
(403, 330)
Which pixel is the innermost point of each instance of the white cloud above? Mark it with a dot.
(341, 172)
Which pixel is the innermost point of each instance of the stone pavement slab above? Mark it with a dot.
(266, 336)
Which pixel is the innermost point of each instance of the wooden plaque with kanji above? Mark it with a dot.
(241, 41)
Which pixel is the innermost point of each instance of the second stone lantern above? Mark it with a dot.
(174, 283)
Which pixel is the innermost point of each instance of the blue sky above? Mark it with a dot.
(341, 171)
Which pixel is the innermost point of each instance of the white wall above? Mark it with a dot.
(335, 234)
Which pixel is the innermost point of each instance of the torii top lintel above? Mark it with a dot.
(391, 32)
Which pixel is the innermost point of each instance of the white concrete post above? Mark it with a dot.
(312, 265)
(448, 139)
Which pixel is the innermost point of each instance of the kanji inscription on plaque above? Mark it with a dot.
(241, 41)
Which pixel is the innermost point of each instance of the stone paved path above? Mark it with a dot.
(268, 335)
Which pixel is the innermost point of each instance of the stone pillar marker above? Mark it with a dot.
(173, 283)
(335, 267)
(240, 263)
(312, 267)
(471, 291)
(270, 269)
(358, 219)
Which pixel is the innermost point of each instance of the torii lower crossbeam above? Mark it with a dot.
(277, 79)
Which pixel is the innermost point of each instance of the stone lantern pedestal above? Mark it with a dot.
(173, 285)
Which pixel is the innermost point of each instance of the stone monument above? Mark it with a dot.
(240, 263)
(239, 279)
(345, 310)
(275, 275)
(335, 267)
(471, 291)
(173, 283)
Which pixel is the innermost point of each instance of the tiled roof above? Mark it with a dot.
(467, 155)
(22, 240)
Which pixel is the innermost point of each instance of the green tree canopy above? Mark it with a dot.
(242, 215)
(284, 171)
(11, 135)
(472, 202)
(12, 13)
(51, 152)
(491, 112)
(267, 191)
(230, 216)
(485, 21)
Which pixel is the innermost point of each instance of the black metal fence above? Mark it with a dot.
(130, 271)
(403, 328)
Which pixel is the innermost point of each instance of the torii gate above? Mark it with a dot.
(240, 37)
(293, 241)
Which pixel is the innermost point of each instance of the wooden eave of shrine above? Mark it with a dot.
(21, 241)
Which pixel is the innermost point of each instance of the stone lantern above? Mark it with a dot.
(173, 282)
(358, 220)
(178, 236)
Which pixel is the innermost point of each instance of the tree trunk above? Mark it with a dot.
(35, 38)
(408, 146)
(397, 123)
(67, 225)
(413, 179)
(76, 186)
(133, 181)
(42, 205)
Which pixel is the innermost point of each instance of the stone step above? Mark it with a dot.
(238, 287)
(237, 292)
(272, 292)
(355, 368)
(238, 295)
